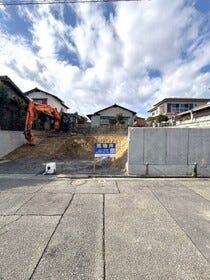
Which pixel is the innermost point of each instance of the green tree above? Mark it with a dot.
(20, 114)
(161, 118)
(150, 121)
(119, 119)
(4, 100)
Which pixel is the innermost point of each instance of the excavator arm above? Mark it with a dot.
(31, 116)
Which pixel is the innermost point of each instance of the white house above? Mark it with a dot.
(173, 106)
(107, 116)
(43, 97)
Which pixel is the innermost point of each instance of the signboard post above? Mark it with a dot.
(103, 150)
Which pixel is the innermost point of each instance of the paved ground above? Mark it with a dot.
(54, 228)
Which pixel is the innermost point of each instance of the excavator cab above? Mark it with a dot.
(65, 122)
(32, 111)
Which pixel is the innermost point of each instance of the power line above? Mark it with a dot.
(51, 2)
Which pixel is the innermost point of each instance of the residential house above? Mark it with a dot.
(107, 116)
(197, 117)
(42, 97)
(139, 122)
(14, 111)
(173, 106)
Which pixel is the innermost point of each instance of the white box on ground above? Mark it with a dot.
(50, 168)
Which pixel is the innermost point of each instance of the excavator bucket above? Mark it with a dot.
(31, 139)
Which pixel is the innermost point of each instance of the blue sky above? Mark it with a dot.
(95, 55)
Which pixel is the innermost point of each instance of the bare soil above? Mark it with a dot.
(72, 147)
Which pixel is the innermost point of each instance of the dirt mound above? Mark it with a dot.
(79, 147)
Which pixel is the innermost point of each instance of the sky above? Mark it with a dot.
(93, 55)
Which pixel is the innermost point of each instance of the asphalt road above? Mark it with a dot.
(59, 228)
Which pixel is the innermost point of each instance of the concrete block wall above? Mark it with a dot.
(168, 151)
(10, 140)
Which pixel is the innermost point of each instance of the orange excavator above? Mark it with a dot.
(32, 111)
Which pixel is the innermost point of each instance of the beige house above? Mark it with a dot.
(173, 106)
(43, 97)
(107, 116)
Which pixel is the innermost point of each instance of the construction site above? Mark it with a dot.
(64, 142)
(73, 154)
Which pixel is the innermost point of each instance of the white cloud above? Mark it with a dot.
(114, 55)
(2, 8)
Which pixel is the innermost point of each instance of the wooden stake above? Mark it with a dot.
(94, 165)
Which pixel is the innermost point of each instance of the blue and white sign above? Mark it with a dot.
(105, 149)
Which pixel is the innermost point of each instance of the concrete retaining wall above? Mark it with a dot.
(10, 140)
(195, 123)
(168, 151)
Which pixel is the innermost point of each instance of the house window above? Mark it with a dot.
(183, 107)
(175, 108)
(126, 120)
(104, 121)
(40, 100)
(110, 120)
(178, 108)
(169, 108)
(107, 120)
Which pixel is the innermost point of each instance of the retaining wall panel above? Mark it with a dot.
(10, 140)
(199, 146)
(154, 145)
(169, 151)
(177, 146)
(136, 146)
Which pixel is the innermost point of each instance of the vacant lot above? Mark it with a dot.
(69, 149)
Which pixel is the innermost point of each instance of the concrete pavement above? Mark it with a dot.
(100, 229)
